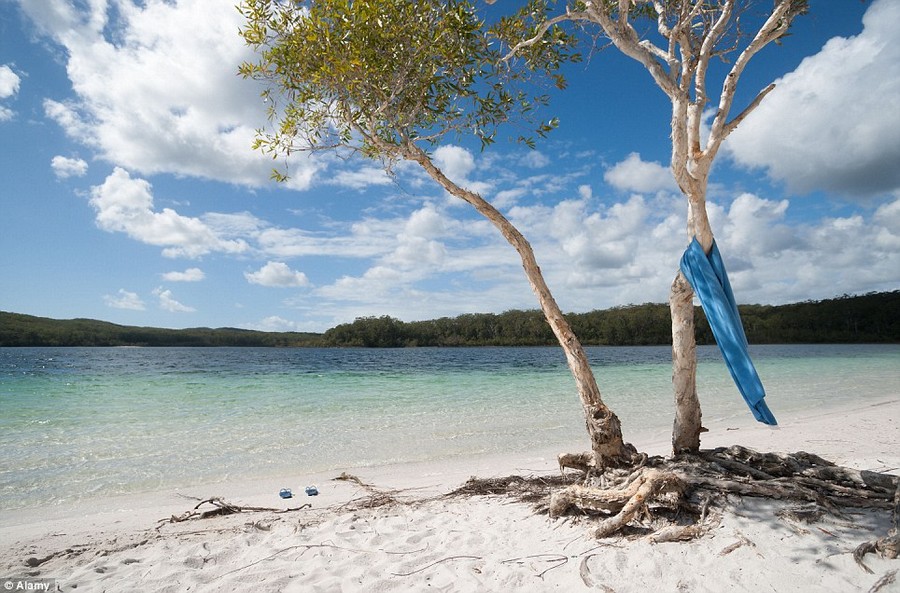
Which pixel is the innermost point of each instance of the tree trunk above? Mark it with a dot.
(696, 33)
(687, 428)
(691, 171)
(603, 426)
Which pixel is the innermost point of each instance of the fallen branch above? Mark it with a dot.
(345, 477)
(742, 541)
(222, 508)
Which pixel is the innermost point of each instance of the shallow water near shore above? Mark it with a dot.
(78, 423)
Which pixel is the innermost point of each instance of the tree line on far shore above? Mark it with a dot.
(873, 317)
(26, 330)
(870, 318)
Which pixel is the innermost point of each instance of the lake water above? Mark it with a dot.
(82, 422)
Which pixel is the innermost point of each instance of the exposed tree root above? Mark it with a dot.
(679, 498)
(524, 489)
(887, 546)
(681, 488)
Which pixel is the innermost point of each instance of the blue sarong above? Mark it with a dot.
(707, 276)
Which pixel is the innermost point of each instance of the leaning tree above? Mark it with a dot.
(679, 43)
(389, 80)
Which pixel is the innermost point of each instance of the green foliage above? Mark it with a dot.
(874, 317)
(870, 318)
(26, 330)
(377, 75)
(551, 49)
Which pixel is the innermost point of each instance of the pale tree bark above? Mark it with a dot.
(603, 426)
(687, 427)
(694, 32)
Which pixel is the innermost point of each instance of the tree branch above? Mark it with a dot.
(775, 26)
(626, 39)
(709, 42)
(730, 126)
(542, 29)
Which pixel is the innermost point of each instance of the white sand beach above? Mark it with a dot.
(477, 543)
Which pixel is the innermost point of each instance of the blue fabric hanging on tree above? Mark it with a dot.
(707, 276)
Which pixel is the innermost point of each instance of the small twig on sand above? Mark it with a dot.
(345, 477)
(435, 563)
(742, 541)
(884, 581)
(559, 559)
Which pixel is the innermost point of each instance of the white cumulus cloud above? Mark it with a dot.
(277, 274)
(124, 300)
(156, 87)
(65, 167)
(168, 303)
(634, 174)
(9, 82)
(833, 123)
(124, 204)
(9, 87)
(189, 275)
(274, 323)
(362, 177)
(456, 162)
(534, 159)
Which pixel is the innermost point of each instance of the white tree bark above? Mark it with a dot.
(688, 417)
(603, 426)
(694, 32)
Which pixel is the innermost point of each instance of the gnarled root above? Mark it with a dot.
(583, 462)
(649, 485)
(650, 490)
(587, 462)
(626, 502)
(887, 546)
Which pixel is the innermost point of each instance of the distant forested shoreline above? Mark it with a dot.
(870, 318)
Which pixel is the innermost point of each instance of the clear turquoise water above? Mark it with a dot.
(77, 423)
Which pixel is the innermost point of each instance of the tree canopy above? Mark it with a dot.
(380, 76)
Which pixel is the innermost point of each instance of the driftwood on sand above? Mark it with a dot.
(221, 507)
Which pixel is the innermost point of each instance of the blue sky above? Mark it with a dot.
(130, 192)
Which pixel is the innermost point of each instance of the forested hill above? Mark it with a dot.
(26, 330)
(872, 318)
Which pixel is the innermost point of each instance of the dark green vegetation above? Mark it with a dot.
(25, 330)
(870, 318)
(874, 317)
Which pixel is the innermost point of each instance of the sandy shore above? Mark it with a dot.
(433, 543)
